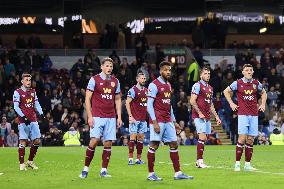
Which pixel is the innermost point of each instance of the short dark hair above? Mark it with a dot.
(164, 63)
(247, 66)
(107, 59)
(26, 75)
(140, 73)
(205, 68)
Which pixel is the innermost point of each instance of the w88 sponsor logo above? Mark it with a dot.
(249, 98)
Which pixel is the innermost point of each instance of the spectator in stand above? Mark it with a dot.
(37, 61)
(72, 137)
(47, 64)
(276, 138)
(198, 55)
(21, 42)
(141, 45)
(191, 140)
(272, 97)
(9, 68)
(34, 42)
(12, 139)
(280, 68)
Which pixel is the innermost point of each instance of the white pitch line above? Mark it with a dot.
(257, 171)
(1, 174)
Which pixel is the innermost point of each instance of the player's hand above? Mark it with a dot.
(177, 126)
(218, 120)
(261, 107)
(27, 121)
(201, 115)
(234, 107)
(131, 119)
(119, 123)
(156, 127)
(90, 121)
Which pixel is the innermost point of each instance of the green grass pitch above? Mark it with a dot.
(59, 167)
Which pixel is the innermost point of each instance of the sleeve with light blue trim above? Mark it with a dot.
(117, 88)
(196, 89)
(131, 93)
(16, 101)
(152, 90)
(172, 114)
(38, 106)
(91, 85)
(150, 108)
(234, 86)
(260, 87)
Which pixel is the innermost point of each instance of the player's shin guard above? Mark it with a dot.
(200, 149)
(175, 159)
(248, 152)
(131, 145)
(106, 156)
(239, 151)
(89, 156)
(21, 153)
(139, 149)
(33, 151)
(151, 159)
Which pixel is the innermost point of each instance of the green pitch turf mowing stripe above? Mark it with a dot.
(59, 167)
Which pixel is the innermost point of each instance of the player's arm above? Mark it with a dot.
(263, 97)
(130, 97)
(38, 107)
(212, 108)
(193, 99)
(228, 93)
(178, 129)
(89, 93)
(16, 102)
(118, 105)
(152, 92)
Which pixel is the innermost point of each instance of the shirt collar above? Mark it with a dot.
(139, 86)
(104, 76)
(246, 80)
(203, 82)
(161, 80)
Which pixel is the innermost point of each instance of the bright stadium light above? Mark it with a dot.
(262, 30)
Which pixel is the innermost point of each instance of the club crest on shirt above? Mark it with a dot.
(101, 83)
(162, 89)
(112, 84)
(254, 86)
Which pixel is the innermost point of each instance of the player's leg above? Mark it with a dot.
(133, 134)
(203, 127)
(142, 128)
(23, 137)
(95, 134)
(155, 139)
(243, 123)
(35, 137)
(109, 135)
(170, 137)
(252, 132)
(153, 147)
(21, 152)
